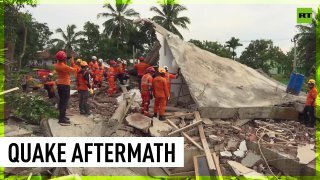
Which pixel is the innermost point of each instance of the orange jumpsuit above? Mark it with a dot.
(93, 66)
(161, 94)
(141, 68)
(311, 97)
(111, 74)
(98, 79)
(169, 77)
(146, 93)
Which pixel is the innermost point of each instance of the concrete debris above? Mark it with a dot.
(251, 159)
(215, 139)
(207, 121)
(15, 131)
(232, 145)
(243, 146)
(226, 154)
(305, 154)
(159, 128)
(241, 170)
(239, 153)
(139, 121)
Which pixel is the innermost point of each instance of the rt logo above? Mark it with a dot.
(304, 15)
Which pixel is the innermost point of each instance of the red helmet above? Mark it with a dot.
(141, 58)
(150, 69)
(112, 63)
(61, 56)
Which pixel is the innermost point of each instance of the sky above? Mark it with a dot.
(212, 22)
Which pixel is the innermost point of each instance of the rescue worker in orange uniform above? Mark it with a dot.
(146, 90)
(63, 84)
(93, 66)
(309, 109)
(99, 72)
(141, 69)
(161, 94)
(84, 87)
(170, 76)
(49, 86)
(77, 67)
(111, 75)
(119, 70)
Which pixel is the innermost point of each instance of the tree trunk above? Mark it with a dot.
(24, 46)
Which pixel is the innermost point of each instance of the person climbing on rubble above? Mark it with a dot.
(49, 86)
(111, 76)
(170, 76)
(99, 73)
(141, 69)
(84, 87)
(309, 109)
(161, 94)
(63, 84)
(147, 90)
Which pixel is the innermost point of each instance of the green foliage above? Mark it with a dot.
(262, 54)
(168, 16)
(88, 45)
(31, 108)
(233, 43)
(70, 38)
(213, 47)
(118, 21)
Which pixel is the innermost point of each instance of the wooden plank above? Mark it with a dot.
(10, 90)
(204, 143)
(185, 135)
(184, 128)
(217, 163)
(196, 166)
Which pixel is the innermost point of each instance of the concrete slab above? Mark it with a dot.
(159, 128)
(251, 159)
(305, 154)
(139, 121)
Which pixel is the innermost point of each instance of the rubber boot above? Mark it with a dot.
(161, 118)
(155, 115)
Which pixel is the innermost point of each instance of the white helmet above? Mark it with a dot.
(166, 68)
(94, 58)
(118, 59)
(124, 62)
(100, 60)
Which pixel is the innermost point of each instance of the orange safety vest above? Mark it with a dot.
(82, 84)
(141, 68)
(111, 73)
(63, 72)
(311, 97)
(99, 73)
(146, 82)
(160, 88)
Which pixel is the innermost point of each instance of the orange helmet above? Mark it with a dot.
(162, 70)
(83, 64)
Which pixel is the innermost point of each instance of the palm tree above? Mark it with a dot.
(118, 22)
(306, 44)
(70, 39)
(168, 16)
(233, 43)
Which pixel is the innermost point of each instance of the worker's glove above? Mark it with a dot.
(168, 98)
(91, 91)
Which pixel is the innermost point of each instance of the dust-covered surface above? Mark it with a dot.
(221, 82)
